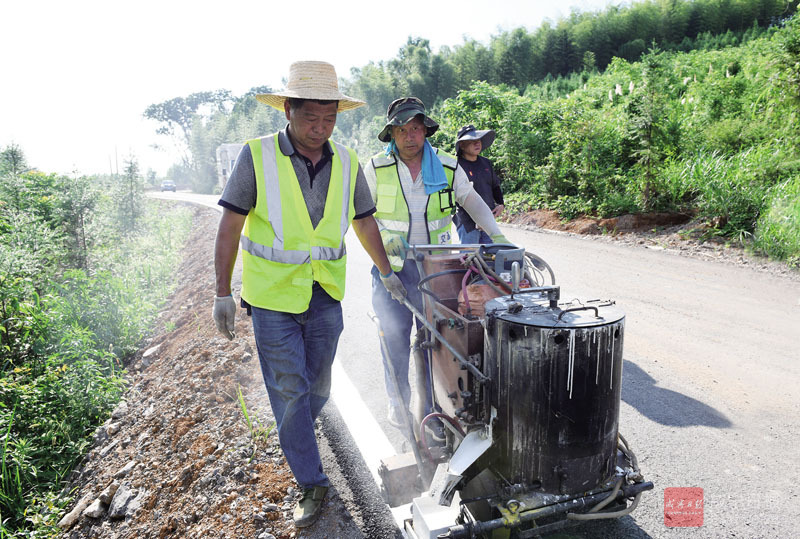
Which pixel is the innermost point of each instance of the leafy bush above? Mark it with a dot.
(727, 191)
(47, 421)
(778, 228)
(67, 322)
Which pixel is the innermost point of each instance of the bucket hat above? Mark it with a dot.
(311, 80)
(401, 111)
(468, 132)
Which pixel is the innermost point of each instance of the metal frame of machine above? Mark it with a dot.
(528, 391)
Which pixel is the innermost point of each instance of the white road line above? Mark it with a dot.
(370, 439)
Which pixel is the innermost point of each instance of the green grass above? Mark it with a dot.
(778, 229)
(76, 332)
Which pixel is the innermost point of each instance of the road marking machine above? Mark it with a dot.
(527, 392)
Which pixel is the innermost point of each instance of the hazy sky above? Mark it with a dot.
(77, 75)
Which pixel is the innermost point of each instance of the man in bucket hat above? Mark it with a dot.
(469, 144)
(414, 187)
(290, 199)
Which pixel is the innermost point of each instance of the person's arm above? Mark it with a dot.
(481, 214)
(226, 249)
(497, 193)
(370, 237)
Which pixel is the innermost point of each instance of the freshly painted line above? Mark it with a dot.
(370, 440)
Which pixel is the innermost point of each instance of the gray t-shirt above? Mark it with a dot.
(239, 194)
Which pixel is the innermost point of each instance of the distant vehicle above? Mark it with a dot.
(168, 185)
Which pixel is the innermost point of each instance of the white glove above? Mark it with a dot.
(225, 315)
(394, 286)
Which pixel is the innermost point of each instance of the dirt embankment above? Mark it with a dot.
(677, 233)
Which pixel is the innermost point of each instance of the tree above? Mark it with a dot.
(410, 70)
(77, 201)
(515, 59)
(12, 161)
(12, 164)
(442, 76)
(128, 194)
(645, 117)
(177, 115)
(589, 62)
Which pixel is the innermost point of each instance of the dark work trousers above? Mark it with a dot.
(397, 322)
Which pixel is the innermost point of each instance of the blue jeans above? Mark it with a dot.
(296, 352)
(396, 322)
(476, 236)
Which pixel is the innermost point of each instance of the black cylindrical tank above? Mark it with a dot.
(556, 380)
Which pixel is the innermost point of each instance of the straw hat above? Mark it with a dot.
(311, 80)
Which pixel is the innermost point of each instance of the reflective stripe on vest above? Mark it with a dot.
(276, 253)
(283, 254)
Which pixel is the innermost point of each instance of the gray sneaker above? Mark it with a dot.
(308, 508)
(394, 417)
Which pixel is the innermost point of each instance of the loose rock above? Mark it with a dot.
(95, 510)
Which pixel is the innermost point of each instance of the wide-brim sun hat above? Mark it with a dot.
(311, 80)
(403, 110)
(468, 132)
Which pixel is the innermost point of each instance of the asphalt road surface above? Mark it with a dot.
(711, 378)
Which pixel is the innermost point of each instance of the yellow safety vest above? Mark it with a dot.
(282, 253)
(391, 207)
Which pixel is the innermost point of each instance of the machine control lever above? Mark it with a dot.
(596, 311)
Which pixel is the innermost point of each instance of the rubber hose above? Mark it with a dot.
(599, 516)
(609, 498)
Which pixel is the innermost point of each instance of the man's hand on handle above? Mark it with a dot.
(397, 246)
(225, 315)
(394, 286)
(499, 238)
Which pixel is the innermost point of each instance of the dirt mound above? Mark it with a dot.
(590, 225)
(679, 234)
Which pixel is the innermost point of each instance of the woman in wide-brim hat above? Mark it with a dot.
(311, 80)
(469, 133)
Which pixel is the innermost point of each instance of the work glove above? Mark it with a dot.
(225, 315)
(396, 246)
(499, 238)
(394, 286)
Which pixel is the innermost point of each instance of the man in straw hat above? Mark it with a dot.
(469, 144)
(414, 186)
(290, 200)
